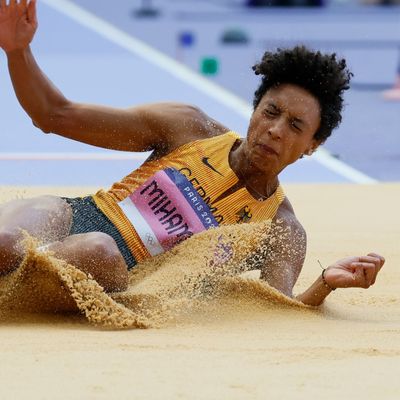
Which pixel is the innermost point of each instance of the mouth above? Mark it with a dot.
(267, 149)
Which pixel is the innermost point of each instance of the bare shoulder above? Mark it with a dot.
(292, 243)
(286, 218)
(179, 123)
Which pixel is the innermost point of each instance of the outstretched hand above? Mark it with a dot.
(18, 23)
(354, 271)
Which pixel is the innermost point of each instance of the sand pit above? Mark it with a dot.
(245, 343)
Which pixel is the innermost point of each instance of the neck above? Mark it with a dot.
(261, 184)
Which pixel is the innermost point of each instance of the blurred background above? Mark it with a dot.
(129, 52)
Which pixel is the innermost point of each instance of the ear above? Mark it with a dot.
(313, 146)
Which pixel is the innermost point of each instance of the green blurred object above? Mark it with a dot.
(209, 65)
(235, 36)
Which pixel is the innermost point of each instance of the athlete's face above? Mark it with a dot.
(282, 128)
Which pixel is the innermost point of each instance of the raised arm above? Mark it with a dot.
(149, 127)
(284, 260)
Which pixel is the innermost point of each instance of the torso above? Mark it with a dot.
(188, 190)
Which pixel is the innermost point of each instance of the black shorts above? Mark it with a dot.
(87, 217)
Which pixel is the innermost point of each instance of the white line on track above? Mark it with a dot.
(181, 72)
(341, 168)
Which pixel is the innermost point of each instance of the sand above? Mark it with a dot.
(244, 343)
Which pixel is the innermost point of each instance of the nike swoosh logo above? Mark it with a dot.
(205, 162)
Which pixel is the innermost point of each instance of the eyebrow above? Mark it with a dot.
(295, 119)
(271, 104)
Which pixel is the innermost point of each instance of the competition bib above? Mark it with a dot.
(165, 210)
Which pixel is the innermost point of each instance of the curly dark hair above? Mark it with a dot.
(323, 75)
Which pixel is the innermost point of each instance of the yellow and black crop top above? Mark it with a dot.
(167, 200)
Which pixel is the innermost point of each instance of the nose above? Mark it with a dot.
(276, 129)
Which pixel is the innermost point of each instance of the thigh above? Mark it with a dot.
(47, 218)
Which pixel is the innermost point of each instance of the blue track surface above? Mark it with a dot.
(90, 68)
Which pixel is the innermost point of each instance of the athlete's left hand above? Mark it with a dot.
(354, 271)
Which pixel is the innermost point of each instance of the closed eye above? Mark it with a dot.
(295, 126)
(271, 113)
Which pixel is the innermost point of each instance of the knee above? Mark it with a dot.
(11, 253)
(108, 264)
(8, 238)
(101, 246)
